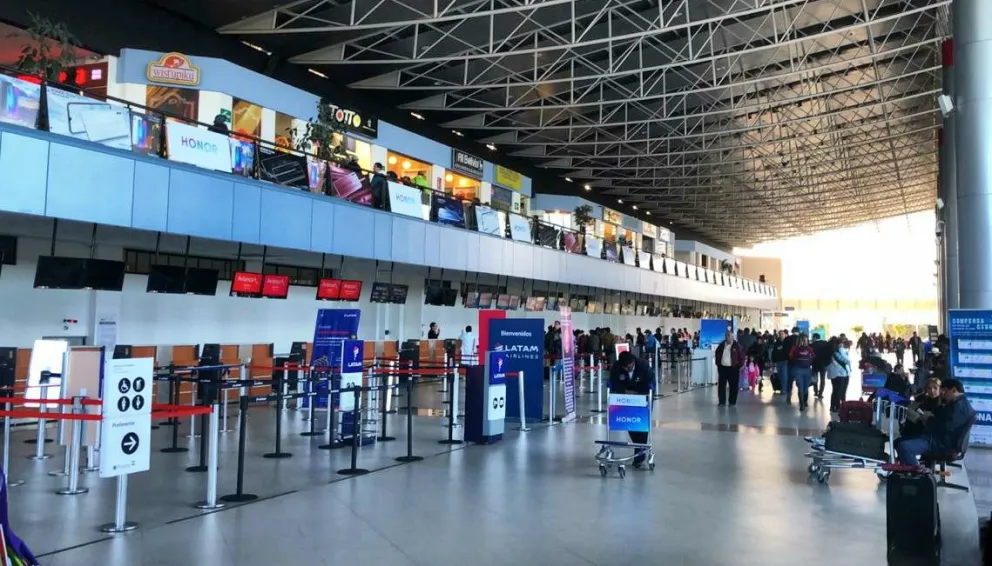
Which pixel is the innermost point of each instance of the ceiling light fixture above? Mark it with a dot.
(491, 147)
(620, 200)
(457, 133)
(588, 187)
(648, 213)
(256, 48)
(635, 207)
(417, 116)
(569, 179)
(318, 73)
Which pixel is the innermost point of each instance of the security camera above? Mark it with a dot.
(946, 105)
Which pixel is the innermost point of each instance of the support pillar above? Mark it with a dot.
(949, 190)
(973, 134)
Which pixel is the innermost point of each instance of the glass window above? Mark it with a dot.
(465, 188)
(415, 172)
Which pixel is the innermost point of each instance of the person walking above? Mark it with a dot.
(822, 351)
(839, 372)
(632, 375)
(801, 360)
(470, 347)
(914, 348)
(780, 357)
(729, 359)
(900, 349)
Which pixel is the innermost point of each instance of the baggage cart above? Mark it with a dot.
(823, 461)
(626, 413)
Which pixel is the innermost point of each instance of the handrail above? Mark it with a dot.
(535, 221)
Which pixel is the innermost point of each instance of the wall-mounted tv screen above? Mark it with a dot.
(55, 272)
(379, 292)
(283, 168)
(535, 304)
(503, 301)
(572, 242)
(201, 281)
(449, 297)
(434, 295)
(146, 133)
(514, 302)
(547, 236)
(448, 210)
(398, 293)
(242, 157)
(485, 300)
(350, 185)
(103, 275)
(275, 286)
(351, 290)
(166, 279)
(329, 289)
(246, 284)
(551, 304)
(471, 300)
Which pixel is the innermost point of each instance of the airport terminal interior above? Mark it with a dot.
(411, 282)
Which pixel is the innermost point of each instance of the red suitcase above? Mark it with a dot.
(856, 412)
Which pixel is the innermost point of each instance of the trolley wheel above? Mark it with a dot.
(602, 470)
(882, 475)
(651, 466)
(813, 468)
(823, 476)
(637, 465)
(622, 471)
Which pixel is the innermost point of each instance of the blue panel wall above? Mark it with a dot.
(200, 204)
(109, 182)
(150, 202)
(23, 173)
(285, 219)
(409, 143)
(353, 231)
(247, 214)
(322, 226)
(382, 238)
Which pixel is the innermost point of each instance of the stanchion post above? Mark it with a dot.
(39, 450)
(356, 436)
(311, 398)
(240, 496)
(224, 402)
(332, 421)
(523, 403)
(409, 425)
(120, 524)
(280, 408)
(552, 394)
(194, 390)
(451, 428)
(6, 447)
(64, 472)
(73, 456)
(384, 437)
(202, 464)
(454, 394)
(211, 501)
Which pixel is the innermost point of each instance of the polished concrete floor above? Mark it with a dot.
(731, 488)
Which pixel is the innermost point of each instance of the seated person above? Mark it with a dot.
(926, 402)
(942, 428)
(632, 375)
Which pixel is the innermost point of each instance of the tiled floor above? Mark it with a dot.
(731, 488)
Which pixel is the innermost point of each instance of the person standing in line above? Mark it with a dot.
(470, 347)
(839, 372)
(729, 359)
(780, 359)
(899, 346)
(380, 187)
(914, 347)
(434, 332)
(822, 351)
(801, 359)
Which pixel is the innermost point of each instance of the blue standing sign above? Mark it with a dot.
(970, 360)
(522, 340)
(333, 328)
(803, 326)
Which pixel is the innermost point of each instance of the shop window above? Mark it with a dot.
(409, 170)
(465, 188)
(501, 199)
(140, 262)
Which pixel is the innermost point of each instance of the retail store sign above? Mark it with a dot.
(352, 121)
(612, 216)
(125, 433)
(509, 178)
(466, 163)
(173, 69)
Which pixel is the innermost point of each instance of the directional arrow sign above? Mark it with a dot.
(130, 443)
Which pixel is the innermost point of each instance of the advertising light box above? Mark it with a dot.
(194, 146)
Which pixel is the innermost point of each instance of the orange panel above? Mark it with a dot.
(21, 371)
(185, 356)
(309, 352)
(390, 350)
(369, 351)
(260, 358)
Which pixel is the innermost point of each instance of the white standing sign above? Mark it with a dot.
(496, 404)
(195, 146)
(125, 435)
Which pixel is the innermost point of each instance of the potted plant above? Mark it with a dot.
(726, 267)
(581, 218)
(323, 136)
(49, 48)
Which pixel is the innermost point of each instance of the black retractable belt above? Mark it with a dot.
(356, 438)
(409, 426)
(240, 496)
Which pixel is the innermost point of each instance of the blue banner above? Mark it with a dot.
(803, 326)
(971, 362)
(630, 413)
(351, 372)
(333, 328)
(712, 331)
(522, 340)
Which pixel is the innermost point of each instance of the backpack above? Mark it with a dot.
(804, 357)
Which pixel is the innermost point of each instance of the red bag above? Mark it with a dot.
(857, 412)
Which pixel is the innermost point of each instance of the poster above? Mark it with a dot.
(803, 326)
(629, 413)
(174, 102)
(568, 362)
(88, 119)
(199, 147)
(333, 328)
(971, 363)
(523, 342)
(351, 371)
(20, 102)
(246, 118)
(712, 331)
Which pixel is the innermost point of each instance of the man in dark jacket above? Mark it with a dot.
(915, 346)
(729, 358)
(822, 356)
(380, 188)
(632, 375)
(945, 427)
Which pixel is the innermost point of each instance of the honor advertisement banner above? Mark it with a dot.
(334, 327)
(629, 413)
(405, 200)
(971, 363)
(520, 228)
(522, 342)
(193, 146)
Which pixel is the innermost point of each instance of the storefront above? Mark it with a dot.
(409, 170)
(464, 179)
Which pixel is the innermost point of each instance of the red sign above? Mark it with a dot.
(246, 283)
(351, 290)
(329, 290)
(275, 286)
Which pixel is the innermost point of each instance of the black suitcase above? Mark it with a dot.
(776, 382)
(912, 520)
(856, 439)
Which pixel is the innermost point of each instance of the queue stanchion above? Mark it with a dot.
(356, 436)
(455, 382)
(175, 448)
(384, 436)
(75, 441)
(240, 496)
(331, 430)
(6, 445)
(552, 394)
(43, 389)
(657, 374)
(202, 464)
(92, 464)
(451, 440)
(523, 403)
(278, 454)
(40, 440)
(65, 449)
(311, 398)
(211, 501)
(224, 403)
(409, 457)
(194, 391)
(120, 524)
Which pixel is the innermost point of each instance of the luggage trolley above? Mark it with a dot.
(822, 461)
(626, 413)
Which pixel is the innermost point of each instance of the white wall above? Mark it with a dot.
(157, 319)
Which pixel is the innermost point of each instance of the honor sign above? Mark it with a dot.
(466, 163)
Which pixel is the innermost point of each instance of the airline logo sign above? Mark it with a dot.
(353, 350)
(202, 148)
(351, 372)
(355, 122)
(466, 163)
(173, 69)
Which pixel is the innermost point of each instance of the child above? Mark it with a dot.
(749, 375)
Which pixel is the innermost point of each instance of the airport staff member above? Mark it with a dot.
(632, 375)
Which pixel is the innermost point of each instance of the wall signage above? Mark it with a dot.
(466, 163)
(354, 122)
(191, 145)
(612, 216)
(125, 434)
(173, 69)
(509, 178)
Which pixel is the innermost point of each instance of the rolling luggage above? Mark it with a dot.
(776, 382)
(912, 520)
(856, 439)
(856, 412)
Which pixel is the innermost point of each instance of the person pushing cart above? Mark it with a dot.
(632, 375)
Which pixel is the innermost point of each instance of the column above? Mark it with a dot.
(973, 108)
(948, 187)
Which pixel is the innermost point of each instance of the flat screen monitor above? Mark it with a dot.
(448, 210)
(471, 300)
(242, 157)
(275, 286)
(298, 351)
(201, 281)
(591, 307)
(514, 302)
(103, 275)
(434, 295)
(503, 301)
(210, 353)
(8, 367)
(449, 297)
(146, 133)
(571, 242)
(166, 279)
(317, 175)
(485, 300)
(547, 236)
(246, 284)
(551, 304)
(350, 185)
(329, 289)
(282, 168)
(55, 272)
(351, 290)
(398, 293)
(379, 292)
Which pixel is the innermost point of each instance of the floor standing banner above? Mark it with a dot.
(333, 328)
(568, 362)
(971, 363)
(522, 339)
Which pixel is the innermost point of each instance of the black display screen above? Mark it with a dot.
(103, 275)
(398, 293)
(201, 281)
(59, 273)
(434, 295)
(166, 279)
(283, 168)
(380, 292)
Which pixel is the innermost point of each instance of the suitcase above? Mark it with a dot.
(776, 382)
(856, 412)
(856, 439)
(912, 520)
